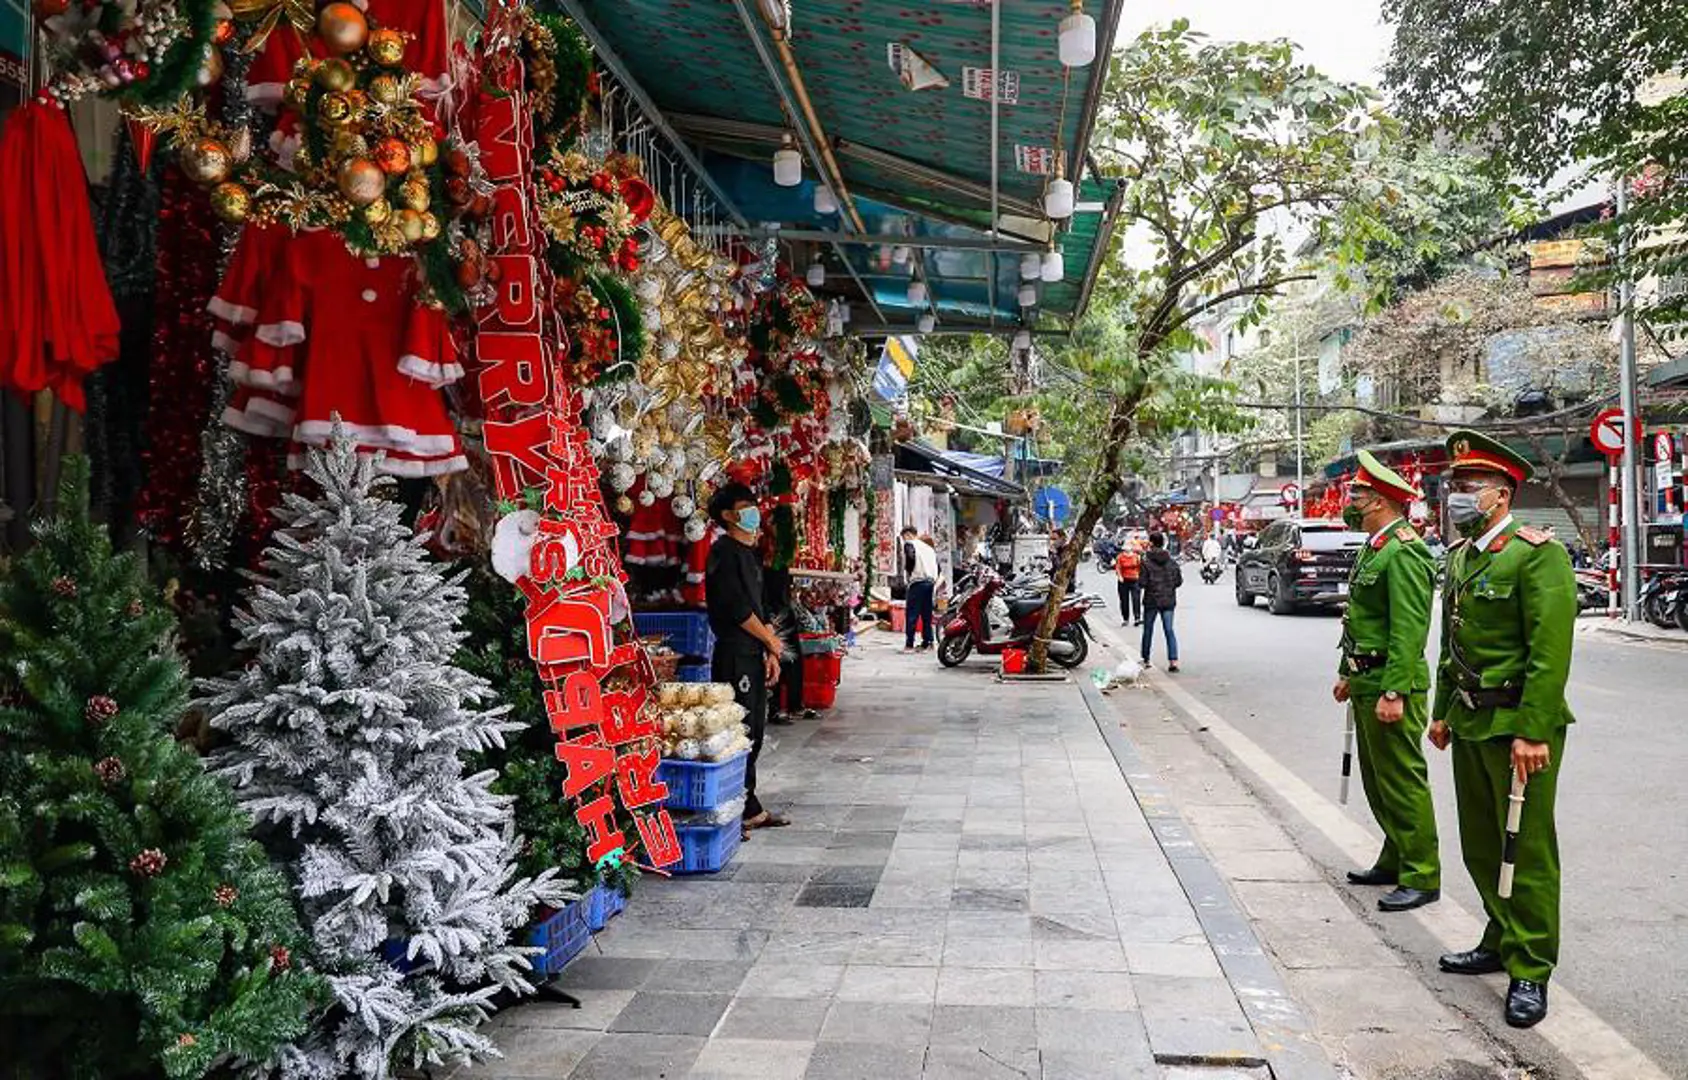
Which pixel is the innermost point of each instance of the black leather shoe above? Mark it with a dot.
(1374, 876)
(1405, 899)
(1478, 961)
(1526, 1003)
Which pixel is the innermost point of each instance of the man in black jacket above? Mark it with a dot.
(747, 651)
(1161, 578)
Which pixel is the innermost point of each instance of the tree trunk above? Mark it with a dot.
(1552, 473)
(1098, 490)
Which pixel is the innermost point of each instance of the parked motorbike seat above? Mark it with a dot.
(1020, 607)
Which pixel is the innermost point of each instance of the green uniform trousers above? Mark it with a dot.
(1397, 783)
(1525, 929)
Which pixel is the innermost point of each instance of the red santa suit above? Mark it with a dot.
(339, 335)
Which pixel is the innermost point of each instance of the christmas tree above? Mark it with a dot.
(142, 931)
(350, 731)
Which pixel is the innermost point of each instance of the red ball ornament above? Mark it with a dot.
(393, 156)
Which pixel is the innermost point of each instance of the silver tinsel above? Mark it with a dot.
(222, 478)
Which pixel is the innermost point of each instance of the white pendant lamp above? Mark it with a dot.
(1054, 266)
(1078, 37)
(1028, 296)
(774, 11)
(825, 201)
(788, 163)
(816, 275)
(1023, 340)
(917, 293)
(1030, 266)
(1058, 197)
(926, 323)
(899, 254)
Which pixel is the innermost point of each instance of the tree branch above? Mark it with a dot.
(1261, 288)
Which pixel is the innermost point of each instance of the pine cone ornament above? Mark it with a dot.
(280, 958)
(225, 895)
(99, 709)
(186, 1039)
(110, 771)
(135, 609)
(149, 863)
(64, 586)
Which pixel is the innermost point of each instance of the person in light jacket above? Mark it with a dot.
(1161, 578)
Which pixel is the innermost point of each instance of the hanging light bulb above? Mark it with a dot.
(816, 275)
(825, 203)
(1023, 340)
(1058, 196)
(1054, 266)
(788, 163)
(1030, 266)
(899, 254)
(917, 293)
(1028, 295)
(1078, 37)
(774, 11)
(926, 323)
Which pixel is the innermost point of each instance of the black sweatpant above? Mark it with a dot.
(1131, 601)
(743, 671)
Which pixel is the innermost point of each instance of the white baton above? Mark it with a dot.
(1347, 752)
(1509, 848)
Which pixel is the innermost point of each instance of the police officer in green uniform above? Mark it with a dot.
(1509, 609)
(1385, 679)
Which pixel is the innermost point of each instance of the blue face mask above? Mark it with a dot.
(750, 519)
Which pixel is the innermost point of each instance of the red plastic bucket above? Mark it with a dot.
(1013, 661)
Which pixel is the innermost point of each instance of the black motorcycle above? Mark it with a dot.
(1212, 570)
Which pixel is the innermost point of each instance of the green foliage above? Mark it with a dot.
(616, 294)
(137, 919)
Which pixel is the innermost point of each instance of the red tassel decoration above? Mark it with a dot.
(57, 318)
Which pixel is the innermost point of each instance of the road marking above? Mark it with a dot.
(1585, 1040)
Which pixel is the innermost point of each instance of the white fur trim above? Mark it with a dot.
(220, 339)
(265, 95)
(252, 425)
(279, 380)
(281, 334)
(273, 410)
(408, 468)
(379, 436)
(231, 313)
(435, 375)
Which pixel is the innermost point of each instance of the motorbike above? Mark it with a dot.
(1212, 569)
(995, 615)
(1106, 552)
(1592, 593)
(1664, 600)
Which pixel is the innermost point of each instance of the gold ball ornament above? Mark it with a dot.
(427, 151)
(342, 28)
(386, 47)
(336, 74)
(393, 156)
(623, 504)
(378, 211)
(430, 227)
(211, 71)
(298, 92)
(414, 192)
(362, 181)
(389, 237)
(207, 161)
(231, 201)
(335, 110)
(386, 89)
(410, 223)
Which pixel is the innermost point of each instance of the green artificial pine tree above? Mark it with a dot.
(142, 932)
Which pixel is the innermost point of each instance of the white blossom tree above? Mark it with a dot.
(348, 732)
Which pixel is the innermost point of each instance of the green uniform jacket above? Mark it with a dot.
(1388, 615)
(1508, 617)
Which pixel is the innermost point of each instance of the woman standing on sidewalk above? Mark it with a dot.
(1160, 578)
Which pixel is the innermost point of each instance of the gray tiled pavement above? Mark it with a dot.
(969, 889)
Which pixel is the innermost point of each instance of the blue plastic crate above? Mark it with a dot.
(560, 937)
(686, 632)
(606, 904)
(692, 673)
(707, 849)
(393, 951)
(702, 785)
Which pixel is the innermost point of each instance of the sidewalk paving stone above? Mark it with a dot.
(970, 888)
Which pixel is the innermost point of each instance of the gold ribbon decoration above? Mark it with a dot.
(300, 14)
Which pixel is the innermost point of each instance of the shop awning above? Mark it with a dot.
(917, 457)
(920, 164)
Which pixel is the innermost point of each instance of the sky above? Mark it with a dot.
(1345, 39)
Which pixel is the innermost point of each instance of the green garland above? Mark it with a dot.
(779, 479)
(785, 536)
(573, 62)
(836, 504)
(615, 294)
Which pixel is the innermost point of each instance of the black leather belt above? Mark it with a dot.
(1359, 665)
(1495, 697)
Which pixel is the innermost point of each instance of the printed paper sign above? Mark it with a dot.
(976, 84)
(1037, 160)
(913, 69)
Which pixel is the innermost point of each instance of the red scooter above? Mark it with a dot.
(990, 619)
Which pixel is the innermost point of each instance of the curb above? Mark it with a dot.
(1287, 1038)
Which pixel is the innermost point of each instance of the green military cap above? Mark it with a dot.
(1384, 480)
(1475, 450)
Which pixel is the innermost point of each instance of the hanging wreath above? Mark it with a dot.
(603, 325)
(592, 212)
(560, 78)
(141, 52)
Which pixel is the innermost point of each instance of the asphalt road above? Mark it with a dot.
(1623, 807)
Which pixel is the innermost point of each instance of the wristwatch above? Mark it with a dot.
(1391, 695)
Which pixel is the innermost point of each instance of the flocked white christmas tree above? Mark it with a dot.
(349, 731)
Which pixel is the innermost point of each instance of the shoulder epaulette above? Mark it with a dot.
(1406, 534)
(1532, 535)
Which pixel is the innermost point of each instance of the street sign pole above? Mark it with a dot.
(1632, 418)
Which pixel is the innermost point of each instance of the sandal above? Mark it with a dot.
(765, 820)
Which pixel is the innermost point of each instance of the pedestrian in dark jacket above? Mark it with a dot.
(1161, 578)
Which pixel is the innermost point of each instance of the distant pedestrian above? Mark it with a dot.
(1161, 579)
(920, 567)
(1128, 564)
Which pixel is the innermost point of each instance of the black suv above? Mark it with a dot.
(1299, 562)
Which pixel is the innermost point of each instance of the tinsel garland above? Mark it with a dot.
(785, 536)
(184, 367)
(836, 504)
(222, 478)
